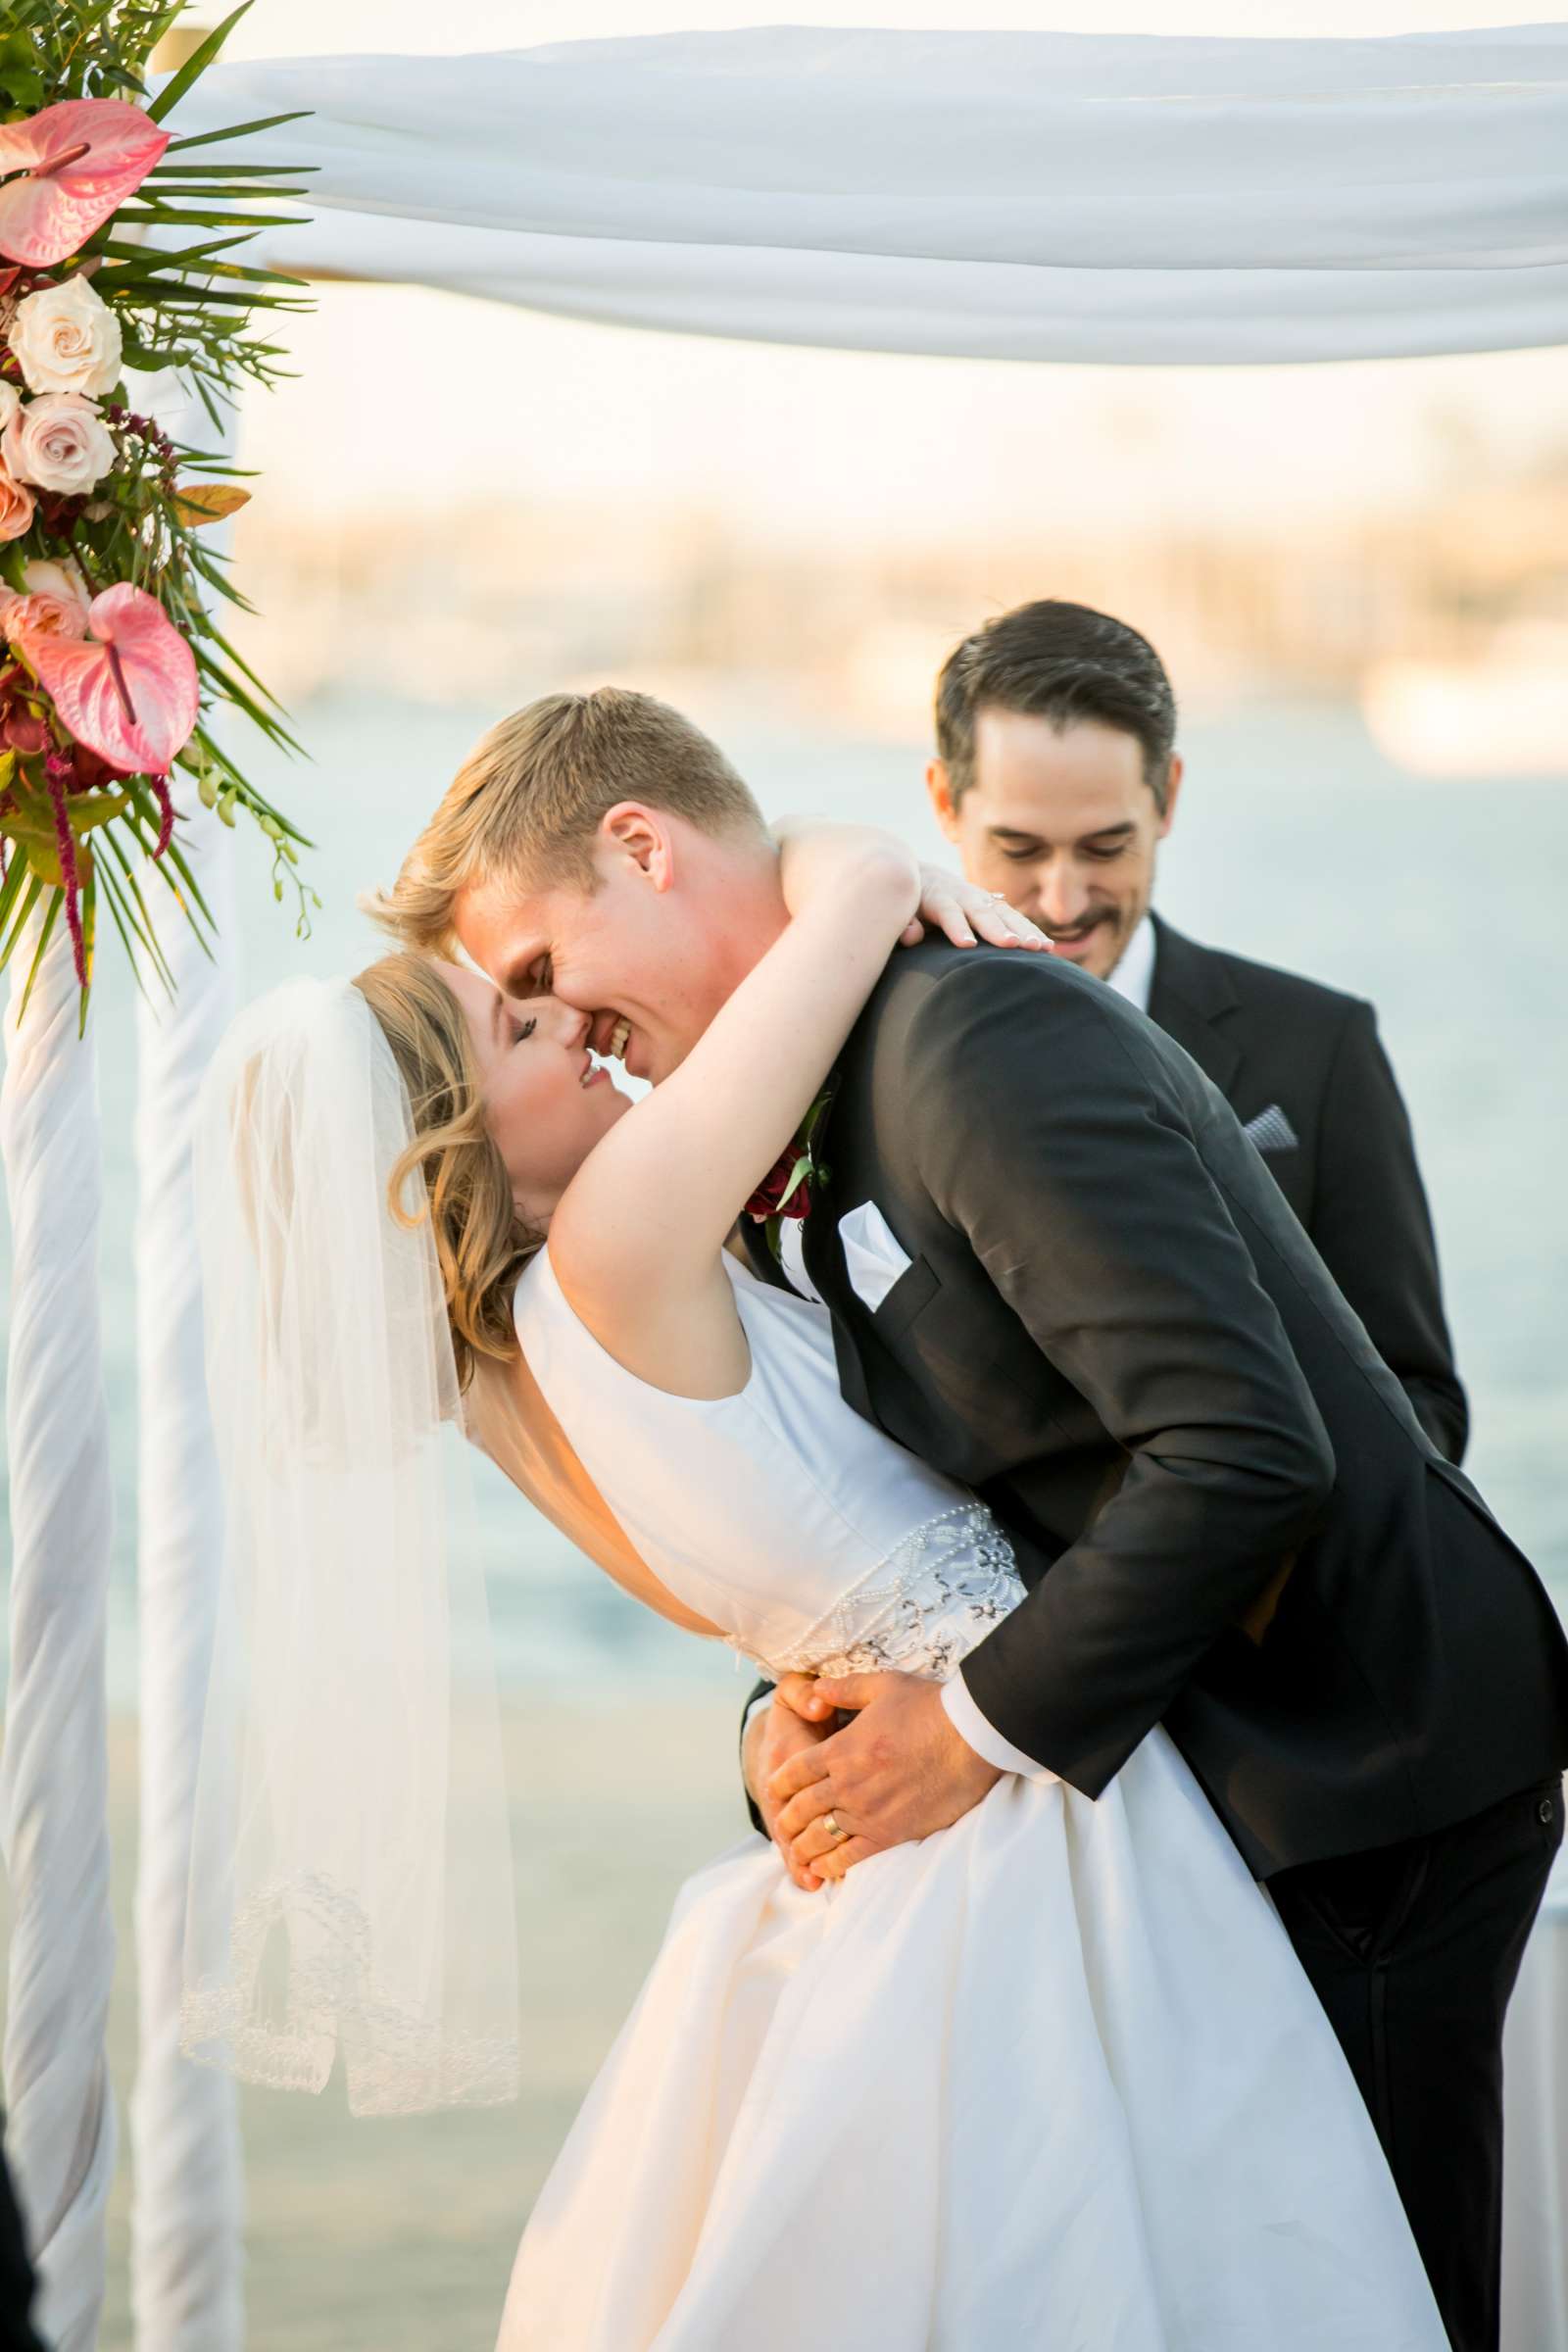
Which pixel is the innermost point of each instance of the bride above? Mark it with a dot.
(1052, 2076)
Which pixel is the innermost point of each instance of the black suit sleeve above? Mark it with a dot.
(1372, 1227)
(1060, 1145)
(762, 1690)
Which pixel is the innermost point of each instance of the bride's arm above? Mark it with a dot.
(647, 1212)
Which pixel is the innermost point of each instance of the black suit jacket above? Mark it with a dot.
(1117, 1331)
(1271, 1041)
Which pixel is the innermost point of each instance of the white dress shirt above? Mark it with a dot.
(792, 1257)
(1132, 978)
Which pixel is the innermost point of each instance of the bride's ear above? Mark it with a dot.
(641, 837)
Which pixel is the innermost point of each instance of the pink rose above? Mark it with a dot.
(55, 600)
(16, 507)
(58, 443)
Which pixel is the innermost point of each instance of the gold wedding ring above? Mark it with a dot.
(830, 1824)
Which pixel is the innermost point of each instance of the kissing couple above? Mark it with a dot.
(1168, 1662)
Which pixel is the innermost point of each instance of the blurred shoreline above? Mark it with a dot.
(1446, 622)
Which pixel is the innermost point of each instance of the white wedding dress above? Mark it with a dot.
(1052, 2078)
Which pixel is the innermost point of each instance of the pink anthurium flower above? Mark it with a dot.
(130, 691)
(79, 163)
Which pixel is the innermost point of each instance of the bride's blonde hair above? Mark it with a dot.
(481, 1243)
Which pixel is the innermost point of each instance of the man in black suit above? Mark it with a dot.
(1088, 1300)
(1056, 778)
(1104, 1318)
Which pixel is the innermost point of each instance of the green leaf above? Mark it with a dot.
(89, 945)
(85, 817)
(196, 64)
(170, 216)
(238, 130)
(17, 872)
(227, 171)
(139, 919)
(157, 258)
(13, 564)
(45, 934)
(29, 899)
(168, 292)
(219, 188)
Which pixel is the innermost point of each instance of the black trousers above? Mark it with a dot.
(1413, 1950)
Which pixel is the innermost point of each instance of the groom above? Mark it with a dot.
(1072, 1285)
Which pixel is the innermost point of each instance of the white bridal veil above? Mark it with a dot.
(351, 1884)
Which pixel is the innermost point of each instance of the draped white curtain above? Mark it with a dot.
(187, 2199)
(187, 2210)
(1037, 196)
(54, 1779)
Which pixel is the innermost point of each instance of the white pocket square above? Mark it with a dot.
(1271, 1131)
(873, 1257)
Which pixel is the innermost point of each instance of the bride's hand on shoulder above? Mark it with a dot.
(819, 855)
(965, 913)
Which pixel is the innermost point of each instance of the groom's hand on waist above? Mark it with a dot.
(899, 1770)
(794, 1723)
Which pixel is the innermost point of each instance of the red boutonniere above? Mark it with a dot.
(785, 1190)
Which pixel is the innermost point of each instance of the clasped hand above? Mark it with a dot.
(900, 1771)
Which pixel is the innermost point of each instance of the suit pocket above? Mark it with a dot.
(915, 1288)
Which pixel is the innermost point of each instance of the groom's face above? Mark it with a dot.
(641, 955)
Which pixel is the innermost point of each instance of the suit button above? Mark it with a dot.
(1544, 1811)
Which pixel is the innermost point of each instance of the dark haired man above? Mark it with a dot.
(1056, 777)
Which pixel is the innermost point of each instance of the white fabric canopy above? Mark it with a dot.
(1031, 196)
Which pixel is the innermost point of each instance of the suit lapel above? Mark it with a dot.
(1192, 998)
(824, 1253)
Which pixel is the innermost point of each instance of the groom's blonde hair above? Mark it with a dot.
(527, 802)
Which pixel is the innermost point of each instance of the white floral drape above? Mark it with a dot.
(1025, 195)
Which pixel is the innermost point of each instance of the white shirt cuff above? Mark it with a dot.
(983, 1737)
(757, 1707)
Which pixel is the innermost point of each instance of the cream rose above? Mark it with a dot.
(67, 340)
(55, 600)
(16, 508)
(58, 443)
(10, 402)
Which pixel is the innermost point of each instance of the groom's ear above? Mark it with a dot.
(939, 791)
(634, 834)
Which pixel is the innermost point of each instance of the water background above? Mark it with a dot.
(1297, 843)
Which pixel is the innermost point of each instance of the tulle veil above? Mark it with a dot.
(351, 1889)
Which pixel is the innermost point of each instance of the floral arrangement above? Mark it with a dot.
(116, 250)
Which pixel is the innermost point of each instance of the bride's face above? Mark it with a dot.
(545, 1101)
